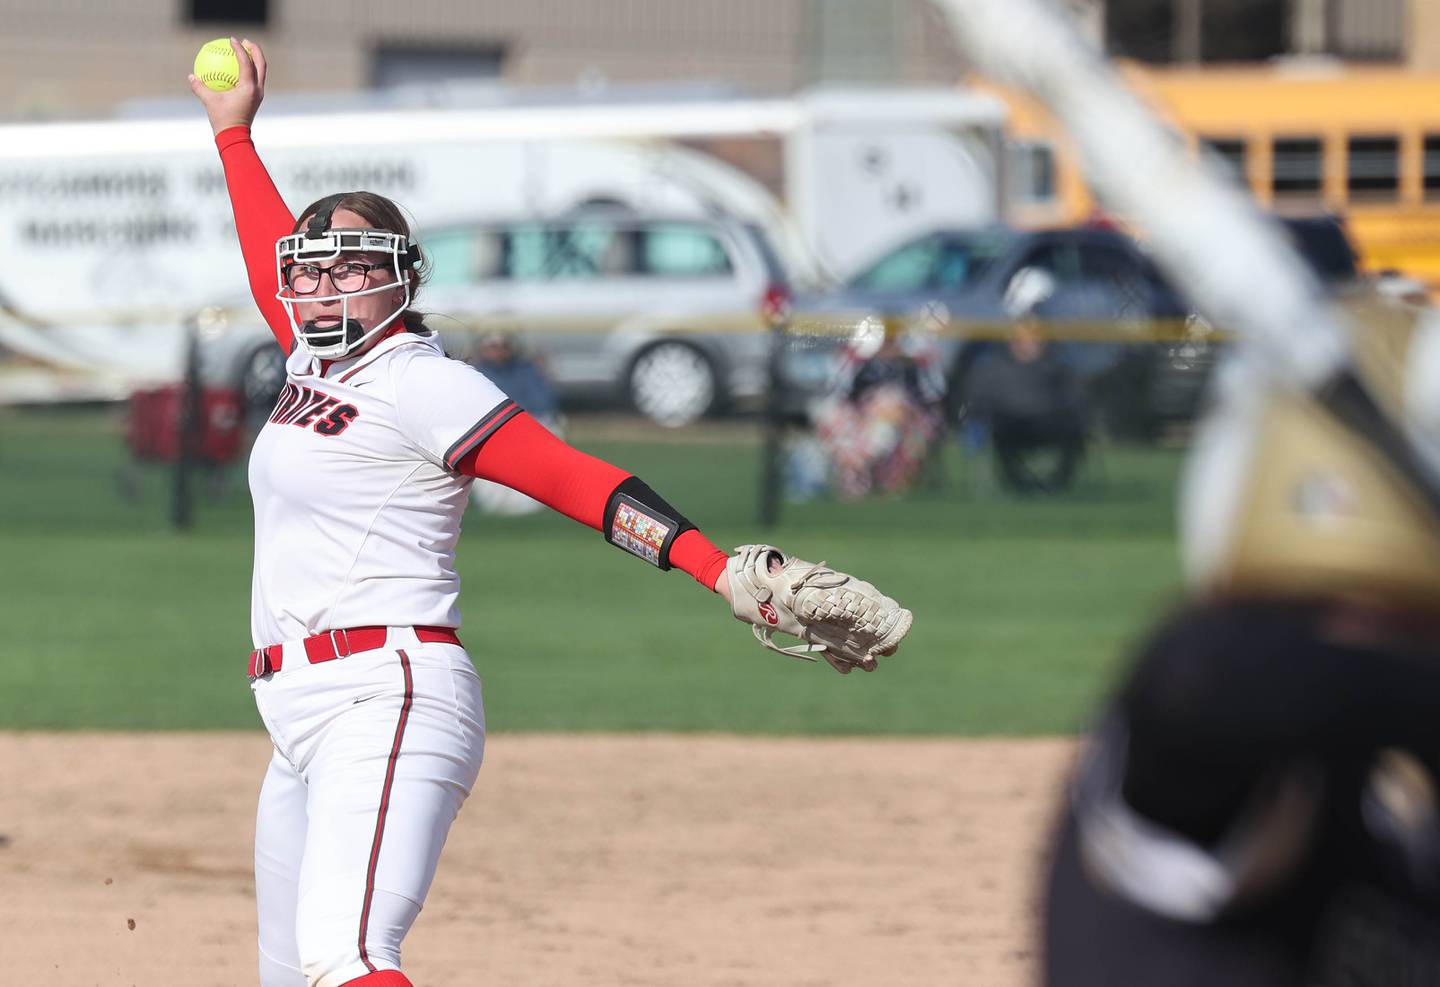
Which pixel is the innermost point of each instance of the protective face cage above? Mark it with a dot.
(318, 243)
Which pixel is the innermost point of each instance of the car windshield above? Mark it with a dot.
(936, 263)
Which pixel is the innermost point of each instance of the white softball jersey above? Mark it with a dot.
(357, 505)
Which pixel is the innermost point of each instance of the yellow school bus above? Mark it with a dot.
(1363, 143)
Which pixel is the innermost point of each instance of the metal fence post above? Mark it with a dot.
(774, 428)
(190, 422)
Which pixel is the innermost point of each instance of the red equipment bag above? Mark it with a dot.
(154, 428)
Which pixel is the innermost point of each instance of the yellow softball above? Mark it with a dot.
(216, 65)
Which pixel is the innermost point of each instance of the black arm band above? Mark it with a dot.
(639, 520)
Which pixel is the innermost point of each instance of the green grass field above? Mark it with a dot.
(1023, 608)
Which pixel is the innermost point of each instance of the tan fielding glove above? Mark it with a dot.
(846, 620)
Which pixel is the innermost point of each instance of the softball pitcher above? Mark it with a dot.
(359, 480)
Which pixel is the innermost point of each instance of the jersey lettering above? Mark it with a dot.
(285, 402)
(303, 396)
(320, 404)
(338, 420)
(308, 398)
(302, 406)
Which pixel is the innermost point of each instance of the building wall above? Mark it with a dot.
(65, 58)
(1424, 33)
(1252, 31)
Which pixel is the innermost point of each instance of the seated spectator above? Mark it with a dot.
(519, 377)
(526, 384)
(1031, 398)
(885, 411)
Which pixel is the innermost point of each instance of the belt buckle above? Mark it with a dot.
(340, 645)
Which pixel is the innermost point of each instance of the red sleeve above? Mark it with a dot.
(261, 218)
(526, 456)
(697, 555)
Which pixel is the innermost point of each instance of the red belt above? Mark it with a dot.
(338, 644)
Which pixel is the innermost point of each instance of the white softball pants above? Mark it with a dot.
(374, 755)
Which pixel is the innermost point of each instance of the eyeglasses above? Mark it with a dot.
(304, 279)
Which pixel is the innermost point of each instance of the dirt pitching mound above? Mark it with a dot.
(701, 860)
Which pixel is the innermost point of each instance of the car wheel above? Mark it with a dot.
(673, 383)
(261, 379)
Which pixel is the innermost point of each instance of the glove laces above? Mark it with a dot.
(819, 571)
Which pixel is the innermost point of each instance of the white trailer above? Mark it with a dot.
(114, 232)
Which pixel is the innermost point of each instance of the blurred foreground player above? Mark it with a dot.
(1258, 804)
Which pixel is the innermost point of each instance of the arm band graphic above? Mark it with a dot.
(640, 521)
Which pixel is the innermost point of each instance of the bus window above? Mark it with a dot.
(1374, 167)
(1431, 166)
(1297, 167)
(1231, 153)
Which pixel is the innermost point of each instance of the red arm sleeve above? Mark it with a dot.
(525, 456)
(261, 218)
(697, 555)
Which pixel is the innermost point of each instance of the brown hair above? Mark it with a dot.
(381, 214)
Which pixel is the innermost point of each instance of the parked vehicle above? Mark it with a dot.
(664, 314)
(1106, 301)
(1176, 382)
(1358, 138)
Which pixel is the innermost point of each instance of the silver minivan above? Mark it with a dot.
(667, 315)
